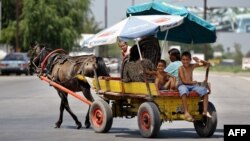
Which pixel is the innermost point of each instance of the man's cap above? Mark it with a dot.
(173, 50)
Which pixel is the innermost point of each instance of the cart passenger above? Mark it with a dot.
(187, 84)
(125, 48)
(133, 69)
(163, 80)
(173, 67)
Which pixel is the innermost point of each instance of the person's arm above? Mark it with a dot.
(148, 67)
(200, 63)
(148, 72)
(170, 75)
(183, 79)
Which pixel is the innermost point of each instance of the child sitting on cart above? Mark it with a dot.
(163, 80)
(187, 84)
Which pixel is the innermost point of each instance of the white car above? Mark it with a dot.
(243, 23)
(17, 63)
(112, 64)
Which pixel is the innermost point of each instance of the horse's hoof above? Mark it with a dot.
(87, 124)
(79, 125)
(57, 125)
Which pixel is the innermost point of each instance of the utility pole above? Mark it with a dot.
(16, 48)
(103, 50)
(133, 2)
(0, 18)
(205, 9)
(205, 18)
(106, 13)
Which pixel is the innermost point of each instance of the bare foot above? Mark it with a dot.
(188, 117)
(206, 114)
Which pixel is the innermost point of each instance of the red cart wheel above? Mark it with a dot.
(149, 121)
(145, 120)
(101, 117)
(97, 117)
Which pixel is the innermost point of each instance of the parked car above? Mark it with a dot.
(17, 63)
(112, 64)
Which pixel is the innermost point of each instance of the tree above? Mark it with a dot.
(238, 55)
(8, 12)
(56, 23)
(8, 24)
(248, 54)
(218, 48)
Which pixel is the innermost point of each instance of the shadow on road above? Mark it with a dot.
(165, 133)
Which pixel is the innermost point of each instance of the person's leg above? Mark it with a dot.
(203, 92)
(167, 85)
(205, 106)
(183, 90)
(170, 84)
(173, 84)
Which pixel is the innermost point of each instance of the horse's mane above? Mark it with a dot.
(102, 69)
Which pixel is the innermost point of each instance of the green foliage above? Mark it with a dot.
(114, 51)
(229, 69)
(8, 24)
(238, 55)
(218, 47)
(8, 33)
(248, 54)
(8, 12)
(56, 23)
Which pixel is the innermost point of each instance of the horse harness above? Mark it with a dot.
(56, 57)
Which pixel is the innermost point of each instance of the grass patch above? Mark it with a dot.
(231, 69)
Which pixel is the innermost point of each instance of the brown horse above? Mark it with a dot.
(64, 70)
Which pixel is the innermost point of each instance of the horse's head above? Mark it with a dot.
(38, 53)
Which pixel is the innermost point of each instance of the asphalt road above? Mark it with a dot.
(30, 107)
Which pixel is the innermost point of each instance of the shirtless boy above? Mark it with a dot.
(163, 80)
(187, 84)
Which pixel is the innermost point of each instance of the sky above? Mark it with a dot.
(117, 8)
(117, 12)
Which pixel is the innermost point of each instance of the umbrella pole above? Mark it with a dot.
(163, 44)
(165, 38)
(145, 77)
(138, 47)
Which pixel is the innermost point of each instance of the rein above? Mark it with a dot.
(33, 59)
(44, 62)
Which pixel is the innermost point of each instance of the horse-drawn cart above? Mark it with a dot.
(144, 100)
(130, 99)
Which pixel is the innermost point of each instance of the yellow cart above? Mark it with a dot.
(151, 106)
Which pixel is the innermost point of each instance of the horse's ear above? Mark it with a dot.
(33, 44)
(42, 45)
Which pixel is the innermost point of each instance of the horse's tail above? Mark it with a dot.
(102, 69)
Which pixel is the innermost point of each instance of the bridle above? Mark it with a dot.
(35, 58)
